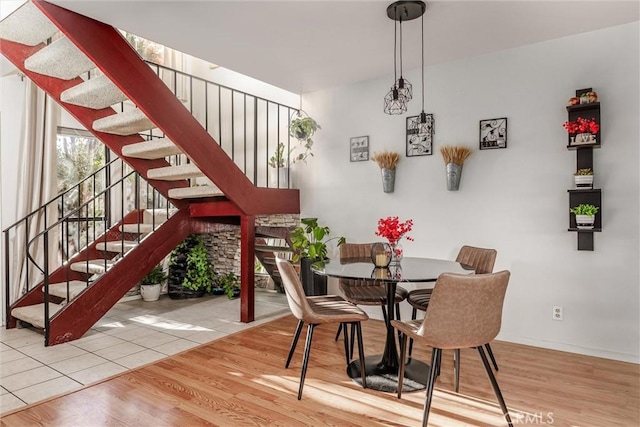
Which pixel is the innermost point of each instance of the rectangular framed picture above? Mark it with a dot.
(493, 133)
(359, 148)
(419, 136)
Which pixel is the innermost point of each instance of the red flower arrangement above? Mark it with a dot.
(393, 230)
(582, 126)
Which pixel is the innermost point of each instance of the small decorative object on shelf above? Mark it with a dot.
(387, 160)
(573, 101)
(393, 230)
(584, 98)
(592, 96)
(583, 178)
(381, 254)
(585, 215)
(585, 131)
(454, 158)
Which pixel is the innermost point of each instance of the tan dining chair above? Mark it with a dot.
(317, 310)
(465, 311)
(365, 292)
(482, 261)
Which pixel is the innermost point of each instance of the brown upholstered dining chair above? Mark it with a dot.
(316, 310)
(482, 261)
(465, 311)
(365, 292)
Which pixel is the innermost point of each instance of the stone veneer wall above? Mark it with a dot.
(224, 245)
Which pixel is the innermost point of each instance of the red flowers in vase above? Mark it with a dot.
(582, 126)
(393, 230)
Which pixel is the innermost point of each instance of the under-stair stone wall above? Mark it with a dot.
(279, 220)
(223, 246)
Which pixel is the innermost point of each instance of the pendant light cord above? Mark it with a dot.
(400, 47)
(422, 62)
(395, 44)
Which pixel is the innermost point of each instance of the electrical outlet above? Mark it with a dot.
(557, 312)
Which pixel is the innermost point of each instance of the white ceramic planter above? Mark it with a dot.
(150, 292)
(585, 222)
(583, 181)
(279, 177)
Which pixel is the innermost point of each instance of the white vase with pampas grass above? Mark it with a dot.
(387, 160)
(454, 158)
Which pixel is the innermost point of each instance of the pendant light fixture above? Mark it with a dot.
(423, 126)
(395, 102)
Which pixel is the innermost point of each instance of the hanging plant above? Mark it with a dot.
(303, 128)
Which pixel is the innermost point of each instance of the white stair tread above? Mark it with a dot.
(93, 266)
(126, 123)
(60, 289)
(61, 59)
(97, 93)
(157, 216)
(116, 245)
(175, 173)
(27, 25)
(133, 228)
(154, 149)
(34, 314)
(194, 192)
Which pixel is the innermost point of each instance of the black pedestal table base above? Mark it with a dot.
(384, 378)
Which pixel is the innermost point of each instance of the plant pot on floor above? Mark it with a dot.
(313, 284)
(150, 292)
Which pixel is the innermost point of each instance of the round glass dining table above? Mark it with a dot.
(382, 370)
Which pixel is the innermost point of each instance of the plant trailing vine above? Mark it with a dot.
(199, 271)
(303, 128)
(230, 283)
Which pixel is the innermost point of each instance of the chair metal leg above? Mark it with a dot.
(490, 353)
(294, 342)
(398, 318)
(494, 384)
(414, 315)
(435, 356)
(403, 350)
(353, 334)
(456, 369)
(305, 361)
(439, 362)
(339, 331)
(384, 314)
(346, 343)
(363, 368)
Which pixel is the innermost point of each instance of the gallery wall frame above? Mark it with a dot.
(359, 149)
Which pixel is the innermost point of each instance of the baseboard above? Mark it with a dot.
(587, 351)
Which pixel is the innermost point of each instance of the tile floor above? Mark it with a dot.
(131, 334)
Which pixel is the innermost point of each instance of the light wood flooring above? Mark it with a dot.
(240, 380)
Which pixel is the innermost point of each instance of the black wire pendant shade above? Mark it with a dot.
(395, 101)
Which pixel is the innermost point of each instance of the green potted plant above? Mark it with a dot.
(279, 174)
(230, 284)
(191, 274)
(583, 178)
(303, 128)
(309, 244)
(151, 284)
(585, 215)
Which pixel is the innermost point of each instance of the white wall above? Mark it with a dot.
(514, 199)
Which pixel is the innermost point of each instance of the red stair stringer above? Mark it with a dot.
(78, 317)
(17, 53)
(106, 47)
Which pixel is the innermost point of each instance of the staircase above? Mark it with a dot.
(88, 71)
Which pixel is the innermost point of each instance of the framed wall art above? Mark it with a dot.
(359, 149)
(493, 133)
(419, 136)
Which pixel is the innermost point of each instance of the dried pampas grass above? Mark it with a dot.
(386, 159)
(456, 155)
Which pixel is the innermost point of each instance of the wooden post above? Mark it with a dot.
(247, 268)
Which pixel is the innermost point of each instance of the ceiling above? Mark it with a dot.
(303, 46)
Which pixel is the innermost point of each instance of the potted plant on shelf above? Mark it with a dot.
(151, 284)
(279, 174)
(585, 215)
(309, 244)
(190, 272)
(584, 178)
(387, 160)
(454, 157)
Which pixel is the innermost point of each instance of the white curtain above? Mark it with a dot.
(37, 182)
